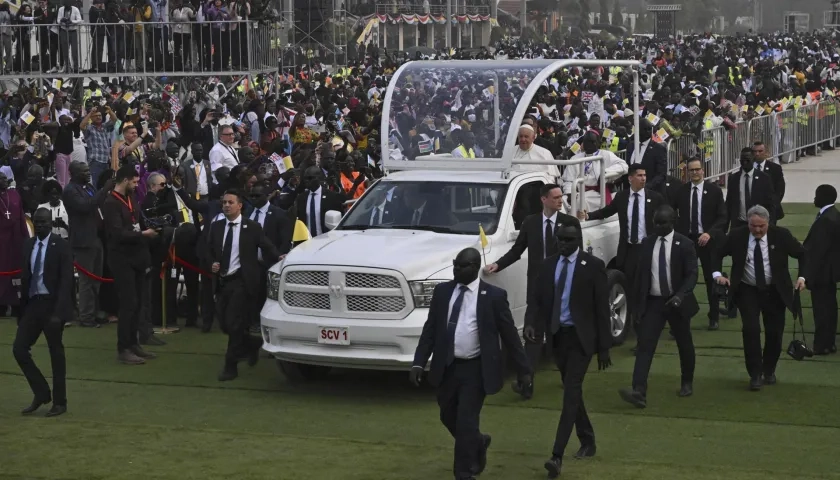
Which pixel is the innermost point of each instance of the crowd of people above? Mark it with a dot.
(209, 185)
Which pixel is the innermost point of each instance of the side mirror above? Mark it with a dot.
(331, 219)
(512, 236)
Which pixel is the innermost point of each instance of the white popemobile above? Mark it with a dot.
(358, 295)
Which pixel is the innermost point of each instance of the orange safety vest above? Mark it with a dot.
(347, 184)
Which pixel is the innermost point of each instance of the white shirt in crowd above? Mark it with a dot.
(591, 173)
(58, 212)
(642, 225)
(234, 265)
(467, 344)
(536, 152)
(222, 155)
(314, 202)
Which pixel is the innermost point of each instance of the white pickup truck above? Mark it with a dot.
(358, 295)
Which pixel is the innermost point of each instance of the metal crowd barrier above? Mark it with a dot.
(209, 48)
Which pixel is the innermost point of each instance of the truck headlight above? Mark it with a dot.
(274, 286)
(422, 292)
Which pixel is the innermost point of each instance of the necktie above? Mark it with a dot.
(549, 239)
(559, 288)
(416, 218)
(374, 217)
(747, 203)
(817, 217)
(695, 212)
(664, 289)
(634, 227)
(257, 215)
(453, 324)
(758, 265)
(313, 223)
(227, 249)
(197, 176)
(37, 274)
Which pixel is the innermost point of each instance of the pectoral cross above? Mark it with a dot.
(8, 215)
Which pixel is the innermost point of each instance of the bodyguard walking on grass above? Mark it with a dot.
(467, 318)
(46, 304)
(823, 245)
(760, 286)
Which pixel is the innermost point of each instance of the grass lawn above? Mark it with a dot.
(171, 419)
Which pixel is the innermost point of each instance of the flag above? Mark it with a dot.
(301, 233)
(482, 237)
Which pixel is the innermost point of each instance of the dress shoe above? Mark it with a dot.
(769, 378)
(153, 340)
(482, 455)
(138, 350)
(254, 357)
(686, 390)
(585, 451)
(756, 383)
(35, 405)
(714, 325)
(832, 349)
(525, 391)
(633, 397)
(89, 325)
(553, 466)
(57, 410)
(228, 374)
(129, 358)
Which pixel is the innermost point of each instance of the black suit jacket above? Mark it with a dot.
(329, 201)
(83, 214)
(671, 190)
(618, 206)
(207, 141)
(278, 228)
(777, 177)
(683, 272)
(58, 276)
(761, 193)
(822, 247)
(494, 322)
(589, 301)
(190, 181)
(713, 216)
(655, 163)
(251, 238)
(781, 245)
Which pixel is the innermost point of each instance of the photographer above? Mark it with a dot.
(69, 17)
(160, 210)
(137, 145)
(45, 15)
(98, 33)
(98, 138)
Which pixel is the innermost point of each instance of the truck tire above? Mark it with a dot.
(619, 315)
(302, 372)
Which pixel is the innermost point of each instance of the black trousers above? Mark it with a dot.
(705, 255)
(650, 329)
(573, 362)
(207, 298)
(35, 320)
(631, 260)
(191, 283)
(824, 299)
(460, 398)
(752, 303)
(261, 295)
(132, 293)
(232, 303)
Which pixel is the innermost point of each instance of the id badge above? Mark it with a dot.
(136, 227)
(173, 273)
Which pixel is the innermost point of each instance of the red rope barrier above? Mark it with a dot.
(82, 270)
(192, 267)
(12, 273)
(92, 275)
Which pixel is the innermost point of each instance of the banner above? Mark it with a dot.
(415, 19)
(367, 33)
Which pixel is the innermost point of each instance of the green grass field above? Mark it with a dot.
(171, 419)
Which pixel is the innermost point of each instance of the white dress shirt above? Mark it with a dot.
(591, 173)
(222, 155)
(467, 344)
(642, 224)
(314, 202)
(58, 212)
(234, 265)
(40, 288)
(261, 220)
(201, 178)
(377, 214)
(696, 189)
(553, 220)
(637, 157)
(654, 264)
(417, 215)
(745, 177)
(749, 268)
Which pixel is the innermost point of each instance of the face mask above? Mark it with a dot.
(567, 245)
(464, 273)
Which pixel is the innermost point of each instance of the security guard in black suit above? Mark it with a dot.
(46, 304)
(823, 274)
(664, 285)
(774, 171)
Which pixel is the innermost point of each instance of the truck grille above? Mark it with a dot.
(364, 293)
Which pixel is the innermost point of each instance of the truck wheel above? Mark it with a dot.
(301, 372)
(619, 316)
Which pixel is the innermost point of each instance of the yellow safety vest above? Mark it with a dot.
(88, 94)
(465, 153)
(613, 146)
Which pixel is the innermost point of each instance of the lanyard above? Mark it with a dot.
(126, 203)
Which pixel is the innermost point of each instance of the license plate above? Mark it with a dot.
(333, 336)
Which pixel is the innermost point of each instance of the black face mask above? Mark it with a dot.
(464, 273)
(567, 245)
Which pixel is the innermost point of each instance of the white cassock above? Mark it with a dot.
(590, 171)
(536, 153)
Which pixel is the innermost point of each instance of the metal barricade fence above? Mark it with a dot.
(231, 47)
(680, 149)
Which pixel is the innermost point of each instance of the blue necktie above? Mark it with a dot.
(37, 273)
(557, 308)
(453, 324)
(664, 289)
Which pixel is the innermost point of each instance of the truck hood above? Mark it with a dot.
(417, 254)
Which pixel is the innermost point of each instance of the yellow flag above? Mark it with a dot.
(301, 232)
(482, 236)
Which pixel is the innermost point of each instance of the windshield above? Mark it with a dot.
(458, 108)
(435, 206)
